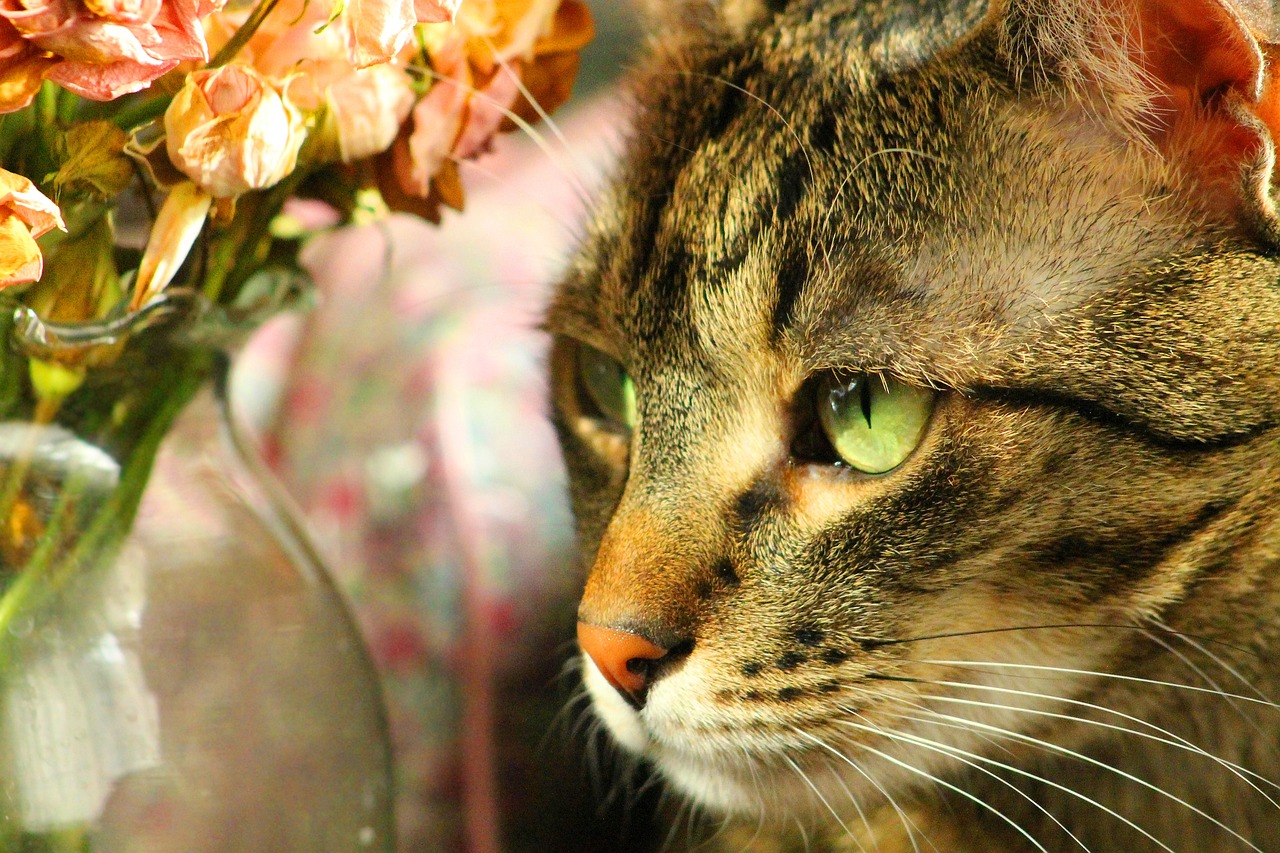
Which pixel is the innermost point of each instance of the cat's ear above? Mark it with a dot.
(736, 16)
(1198, 79)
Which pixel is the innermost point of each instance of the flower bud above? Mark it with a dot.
(25, 214)
(231, 131)
(176, 228)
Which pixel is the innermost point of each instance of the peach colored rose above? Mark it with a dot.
(364, 108)
(22, 68)
(485, 62)
(107, 48)
(25, 214)
(381, 28)
(309, 58)
(230, 130)
(367, 32)
(295, 33)
(436, 11)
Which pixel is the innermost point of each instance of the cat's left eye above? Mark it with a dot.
(872, 422)
(607, 386)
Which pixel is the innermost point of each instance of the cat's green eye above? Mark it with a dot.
(607, 386)
(872, 422)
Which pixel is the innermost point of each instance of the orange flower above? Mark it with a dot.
(496, 51)
(22, 68)
(230, 130)
(365, 106)
(308, 57)
(25, 214)
(361, 32)
(102, 49)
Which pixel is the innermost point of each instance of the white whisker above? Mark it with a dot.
(857, 807)
(568, 231)
(971, 759)
(1200, 647)
(1112, 675)
(907, 823)
(1169, 738)
(528, 96)
(1079, 756)
(1217, 688)
(957, 789)
(817, 792)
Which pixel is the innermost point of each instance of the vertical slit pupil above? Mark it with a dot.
(866, 399)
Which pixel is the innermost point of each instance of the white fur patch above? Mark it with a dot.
(621, 719)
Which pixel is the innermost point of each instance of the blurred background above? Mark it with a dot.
(407, 415)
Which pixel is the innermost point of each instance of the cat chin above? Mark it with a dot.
(716, 791)
(757, 792)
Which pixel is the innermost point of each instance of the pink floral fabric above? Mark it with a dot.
(408, 415)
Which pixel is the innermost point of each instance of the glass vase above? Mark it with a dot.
(177, 670)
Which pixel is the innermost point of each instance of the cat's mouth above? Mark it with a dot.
(854, 751)
(732, 771)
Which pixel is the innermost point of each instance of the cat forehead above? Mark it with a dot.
(910, 215)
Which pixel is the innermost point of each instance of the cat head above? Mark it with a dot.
(912, 345)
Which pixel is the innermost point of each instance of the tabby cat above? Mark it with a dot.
(919, 381)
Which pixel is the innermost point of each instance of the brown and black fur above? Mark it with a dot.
(929, 191)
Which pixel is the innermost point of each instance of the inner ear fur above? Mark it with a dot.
(1196, 79)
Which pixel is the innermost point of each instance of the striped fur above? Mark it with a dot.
(1054, 627)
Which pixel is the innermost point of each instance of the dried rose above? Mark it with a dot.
(25, 214)
(102, 49)
(362, 33)
(547, 76)
(231, 131)
(22, 68)
(366, 108)
(381, 28)
(308, 57)
(495, 53)
(436, 11)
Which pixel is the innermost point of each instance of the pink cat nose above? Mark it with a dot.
(623, 658)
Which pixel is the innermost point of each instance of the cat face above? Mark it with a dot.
(890, 371)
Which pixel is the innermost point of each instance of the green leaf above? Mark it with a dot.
(80, 281)
(93, 160)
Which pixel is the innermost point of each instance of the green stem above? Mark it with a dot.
(141, 112)
(222, 259)
(46, 113)
(14, 127)
(116, 517)
(47, 104)
(68, 106)
(242, 35)
(39, 580)
(237, 254)
(12, 604)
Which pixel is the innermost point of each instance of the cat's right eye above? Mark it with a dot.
(607, 386)
(872, 422)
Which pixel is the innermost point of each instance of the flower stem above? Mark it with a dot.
(141, 112)
(242, 35)
(46, 571)
(14, 127)
(46, 115)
